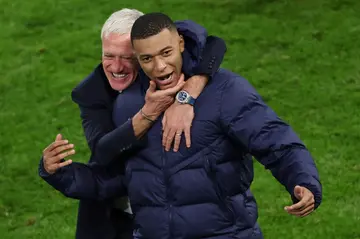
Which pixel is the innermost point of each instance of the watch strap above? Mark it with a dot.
(191, 100)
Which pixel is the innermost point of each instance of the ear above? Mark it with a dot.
(181, 43)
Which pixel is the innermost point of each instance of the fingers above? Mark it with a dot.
(298, 192)
(187, 136)
(54, 145)
(307, 213)
(166, 134)
(163, 122)
(175, 89)
(58, 137)
(306, 210)
(169, 92)
(296, 206)
(52, 159)
(181, 81)
(182, 78)
(303, 212)
(51, 169)
(177, 141)
(57, 158)
(178, 120)
(180, 84)
(65, 163)
(304, 207)
(152, 87)
(64, 155)
(170, 135)
(169, 139)
(60, 149)
(305, 196)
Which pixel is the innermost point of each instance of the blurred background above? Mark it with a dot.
(303, 56)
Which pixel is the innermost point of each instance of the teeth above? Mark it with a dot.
(119, 75)
(169, 77)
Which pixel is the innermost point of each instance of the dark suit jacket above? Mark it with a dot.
(95, 98)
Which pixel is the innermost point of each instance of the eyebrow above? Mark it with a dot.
(162, 50)
(108, 54)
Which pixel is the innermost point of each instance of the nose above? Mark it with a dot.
(160, 64)
(117, 65)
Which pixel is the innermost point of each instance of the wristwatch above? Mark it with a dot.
(184, 97)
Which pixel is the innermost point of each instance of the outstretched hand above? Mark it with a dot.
(54, 154)
(306, 203)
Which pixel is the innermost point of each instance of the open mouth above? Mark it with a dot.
(119, 75)
(167, 77)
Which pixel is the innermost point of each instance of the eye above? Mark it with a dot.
(167, 53)
(108, 56)
(146, 59)
(127, 58)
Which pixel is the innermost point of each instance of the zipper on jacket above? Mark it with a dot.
(166, 179)
(170, 221)
(168, 196)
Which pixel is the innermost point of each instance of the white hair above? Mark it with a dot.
(120, 22)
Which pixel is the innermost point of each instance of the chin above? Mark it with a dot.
(119, 86)
(165, 87)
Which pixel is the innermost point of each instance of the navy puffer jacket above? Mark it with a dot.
(203, 191)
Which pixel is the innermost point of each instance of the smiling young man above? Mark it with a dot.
(160, 59)
(204, 191)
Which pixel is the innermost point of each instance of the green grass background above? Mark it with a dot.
(303, 56)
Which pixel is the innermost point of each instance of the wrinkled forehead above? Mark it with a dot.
(117, 44)
(154, 44)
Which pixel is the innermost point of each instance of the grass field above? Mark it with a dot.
(303, 56)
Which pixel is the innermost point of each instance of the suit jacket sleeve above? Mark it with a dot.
(107, 141)
(95, 97)
(212, 57)
(204, 54)
(85, 181)
(258, 130)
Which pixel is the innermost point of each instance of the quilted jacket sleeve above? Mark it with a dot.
(256, 128)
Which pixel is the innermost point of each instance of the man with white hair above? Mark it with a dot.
(95, 96)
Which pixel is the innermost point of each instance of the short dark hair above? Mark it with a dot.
(151, 24)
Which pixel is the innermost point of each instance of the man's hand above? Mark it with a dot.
(157, 101)
(55, 152)
(177, 119)
(306, 204)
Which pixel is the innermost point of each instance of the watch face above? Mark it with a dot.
(182, 96)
